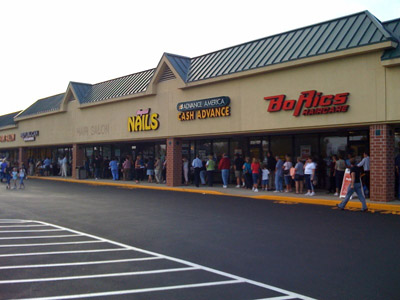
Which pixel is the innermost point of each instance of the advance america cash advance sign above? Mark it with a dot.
(206, 108)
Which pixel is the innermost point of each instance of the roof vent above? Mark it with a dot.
(167, 74)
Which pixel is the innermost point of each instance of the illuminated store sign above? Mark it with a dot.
(143, 121)
(205, 108)
(7, 138)
(29, 136)
(315, 103)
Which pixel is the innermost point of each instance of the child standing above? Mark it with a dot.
(14, 175)
(21, 175)
(265, 178)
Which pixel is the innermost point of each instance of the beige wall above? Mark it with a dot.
(362, 76)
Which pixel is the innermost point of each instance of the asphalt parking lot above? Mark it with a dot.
(68, 241)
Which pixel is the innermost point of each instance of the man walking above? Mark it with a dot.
(197, 165)
(355, 185)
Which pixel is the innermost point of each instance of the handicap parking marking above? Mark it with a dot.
(215, 277)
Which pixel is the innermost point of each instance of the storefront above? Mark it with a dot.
(329, 88)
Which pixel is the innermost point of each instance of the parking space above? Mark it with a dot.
(39, 260)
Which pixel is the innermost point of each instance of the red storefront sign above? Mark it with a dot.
(315, 103)
(7, 138)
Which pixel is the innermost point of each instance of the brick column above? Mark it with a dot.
(174, 162)
(382, 163)
(22, 158)
(77, 158)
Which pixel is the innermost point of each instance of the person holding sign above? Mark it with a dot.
(355, 186)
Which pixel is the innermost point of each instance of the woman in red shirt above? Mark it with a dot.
(255, 170)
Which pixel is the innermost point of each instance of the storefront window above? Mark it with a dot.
(333, 145)
(281, 145)
(203, 148)
(238, 145)
(161, 150)
(220, 147)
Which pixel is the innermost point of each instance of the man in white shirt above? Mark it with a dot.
(365, 164)
(197, 165)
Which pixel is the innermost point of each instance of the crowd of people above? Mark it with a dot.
(275, 173)
(12, 174)
(127, 168)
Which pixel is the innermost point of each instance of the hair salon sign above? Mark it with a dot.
(310, 103)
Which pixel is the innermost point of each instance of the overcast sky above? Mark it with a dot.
(45, 44)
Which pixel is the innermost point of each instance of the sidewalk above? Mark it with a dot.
(286, 198)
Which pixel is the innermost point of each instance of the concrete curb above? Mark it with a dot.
(378, 207)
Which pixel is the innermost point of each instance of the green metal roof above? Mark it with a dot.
(393, 27)
(44, 105)
(115, 88)
(340, 34)
(8, 120)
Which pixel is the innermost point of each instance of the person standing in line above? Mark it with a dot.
(278, 175)
(2, 167)
(247, 173)
(197, 164)
(14, 176)
(271, 164)
(309, 174)
(255, 171)
(365, 165)
(138, 169)
(64, 162)
(203, 173)
(286, 172)
(224, 165)
(150, 170)
(265, 177)
(397, 167)
(332, 182)
(238, 167)
(21, 175)
(8, 175)
(114, 168)
(340, 167)
(299, 176)
(126, 166)
(158, 170)
(185, 167)
(47, 163)
(355, 186)
(210, 166)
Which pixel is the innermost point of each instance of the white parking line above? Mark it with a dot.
(99, 275)
(51, 244)
(98, 262)
(43, 230)
(64, 252)
(233, 279)
(39, 237)
(23, 226)
(146, 290)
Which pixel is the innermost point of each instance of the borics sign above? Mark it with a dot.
(315, 103)
(143, 121)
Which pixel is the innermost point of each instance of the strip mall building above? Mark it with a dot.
(329, 88)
